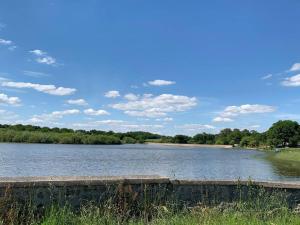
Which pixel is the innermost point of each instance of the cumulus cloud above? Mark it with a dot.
(161, 82)
(5, 42)
(112, 94)
(167, 119)
(43, 57)
(8, 43)
(295, 67)
(131, 97)
(80, 102)
(52, 116)
(234, 111)
(222, 119)
(195, 127)
(156, 106)
(4, 99)
(118, 126)
(98, 123)
(93, 112)
(293, 81)
(231, 111)
(48, 89)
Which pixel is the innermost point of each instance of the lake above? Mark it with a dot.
(108, 160)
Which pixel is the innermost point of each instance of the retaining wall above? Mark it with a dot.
(77, 191)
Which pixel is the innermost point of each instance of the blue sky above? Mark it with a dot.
(160, 66)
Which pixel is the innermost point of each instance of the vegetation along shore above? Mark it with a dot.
(281, 134)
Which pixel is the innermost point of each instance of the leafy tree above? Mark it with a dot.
(181, 139)
(283, 133)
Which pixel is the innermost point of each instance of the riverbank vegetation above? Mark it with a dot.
(34, 134)
(281, 134)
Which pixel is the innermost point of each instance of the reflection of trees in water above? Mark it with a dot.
(286, 168)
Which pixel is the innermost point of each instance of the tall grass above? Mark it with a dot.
(259, 207)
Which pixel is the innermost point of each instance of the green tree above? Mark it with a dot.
(284, 133)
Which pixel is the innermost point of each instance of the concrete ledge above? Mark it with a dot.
(266, 184)
(44, 191)
(80, 180)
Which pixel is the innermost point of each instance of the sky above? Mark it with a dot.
(162, 66)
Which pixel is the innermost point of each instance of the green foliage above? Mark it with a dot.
(203, 138)
(284, 133)
(181, 139)
(45, 135)
(281, 134)
(129, 140)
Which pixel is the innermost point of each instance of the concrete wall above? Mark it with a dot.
(77, 191)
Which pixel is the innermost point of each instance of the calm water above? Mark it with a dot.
(174, 162)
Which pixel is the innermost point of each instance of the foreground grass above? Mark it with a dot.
(202, 216)
(257, 208)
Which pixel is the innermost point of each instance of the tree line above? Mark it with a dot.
(284, 133)
(35, 134)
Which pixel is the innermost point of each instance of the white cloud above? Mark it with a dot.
(44, 118)
(5, 42)
(112, 94)
(8, 43)
(156, 106)
(161, 82)
(267, 77)
(92, 112)
(98, 123)
(234, 111)
(118, 126)
(293, 81)
(48, 89)
(80, 102)
(131, 97)
(196, 127)
(167, 119)
(4, 99)
(43, 57)
(295, 67)
(151, 113)
(256, 126)
(222, 119)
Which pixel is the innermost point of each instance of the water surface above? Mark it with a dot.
(108, 160)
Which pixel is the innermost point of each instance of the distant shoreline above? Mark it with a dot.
(191, 145)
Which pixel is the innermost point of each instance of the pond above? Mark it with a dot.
(115, 160)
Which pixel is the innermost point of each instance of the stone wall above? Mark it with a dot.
(78, 191)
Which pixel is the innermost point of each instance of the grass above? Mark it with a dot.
(290, 154)
(197, 216)
(287, 161)
(260, 208)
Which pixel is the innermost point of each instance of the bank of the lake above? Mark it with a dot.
(287, 155)
(287, 161)
(191, 145)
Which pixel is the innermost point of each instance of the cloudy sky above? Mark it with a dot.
(161, 66)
